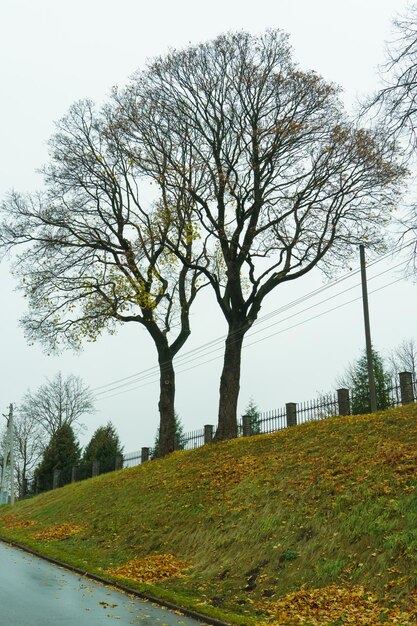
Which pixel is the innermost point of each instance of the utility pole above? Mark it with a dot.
(8, 454)
(3, 469)
(371, 375)
(11, 427)
(4, 464)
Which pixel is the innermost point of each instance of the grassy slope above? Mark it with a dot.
(329, 505)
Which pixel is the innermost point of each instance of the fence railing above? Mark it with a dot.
(394, 393)
(131, 459)
(327, 405)
(193, 439)
(402, 391)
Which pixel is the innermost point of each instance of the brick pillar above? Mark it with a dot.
(96, 468)
(247, 425)
(73, 474)
(144, 456)
(55, 480)
(208, 433)
(291, 410)
(343, 401)
(406, 387)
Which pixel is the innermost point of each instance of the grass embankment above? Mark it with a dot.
(315, 525)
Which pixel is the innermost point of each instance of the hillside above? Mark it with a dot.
(316, 524)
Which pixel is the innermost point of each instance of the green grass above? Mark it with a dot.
(321, 504)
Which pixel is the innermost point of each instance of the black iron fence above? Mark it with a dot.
(81, 471)
(194, 439)
(131, 459)
(269, 422)
(401, 391)
(394, 393)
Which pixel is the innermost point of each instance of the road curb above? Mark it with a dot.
(204, 619)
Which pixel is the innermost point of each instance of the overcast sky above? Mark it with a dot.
(54, 53)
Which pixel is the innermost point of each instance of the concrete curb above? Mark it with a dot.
(204, 619)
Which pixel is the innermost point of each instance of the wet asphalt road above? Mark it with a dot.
(34, 592)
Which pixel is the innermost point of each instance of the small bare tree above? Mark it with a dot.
(397, 98)
(395, 104)
(59, 401)
(30, 440)
(403, 358)
(281, 181)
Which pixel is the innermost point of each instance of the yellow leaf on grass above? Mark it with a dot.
(151, 568)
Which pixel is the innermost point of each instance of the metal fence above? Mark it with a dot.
(272, 421)
(400, 391)
(131, 459)
(193, 439)
(71, 474)
(394, 392)
(322, 407)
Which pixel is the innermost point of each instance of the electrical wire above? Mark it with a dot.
(246, 345)
(250, 333)
(149, 372)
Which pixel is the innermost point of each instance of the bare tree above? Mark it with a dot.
(395, 103)
(280, 180)
(397, 98)
(59, 401)
(94, 257)
(403, 358)
(30, 440)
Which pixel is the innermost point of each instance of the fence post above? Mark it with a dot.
(118, 462)
(73, 474)
(144, 456)
(343, 401)
(96, 468)
(55, 480)
(406, 387)
(246, 425)
(208, 433)
(291, 411)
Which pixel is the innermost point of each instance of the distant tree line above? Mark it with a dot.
(46, 423)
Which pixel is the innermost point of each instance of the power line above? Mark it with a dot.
(250, 333)
(185, 358)
(210, 348)
(301, 323)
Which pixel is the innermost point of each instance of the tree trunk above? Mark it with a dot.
(230, 385)
(166, 404)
